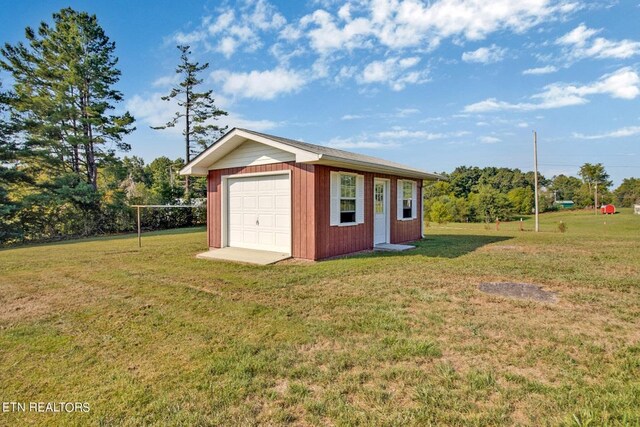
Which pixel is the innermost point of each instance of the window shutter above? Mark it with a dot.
(414, 197)
(334, 216)
(360, 199)
(399, 199)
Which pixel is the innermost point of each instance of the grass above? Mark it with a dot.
(155, 336)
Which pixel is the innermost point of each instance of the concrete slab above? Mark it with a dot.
(392, 247)
(248, 256)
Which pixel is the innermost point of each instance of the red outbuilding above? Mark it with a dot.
(608, 209)
(270, 193)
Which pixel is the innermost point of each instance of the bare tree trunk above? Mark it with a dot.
(188, 144)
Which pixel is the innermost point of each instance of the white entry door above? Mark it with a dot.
(259, 213)
(380, 211)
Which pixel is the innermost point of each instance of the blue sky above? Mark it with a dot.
(431, 84)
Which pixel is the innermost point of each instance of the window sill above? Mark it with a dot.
(407, 219)
(346, 224)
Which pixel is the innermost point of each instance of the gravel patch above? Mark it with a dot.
(525, 291)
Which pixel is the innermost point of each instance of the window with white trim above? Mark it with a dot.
(347, 199)
(407, 199)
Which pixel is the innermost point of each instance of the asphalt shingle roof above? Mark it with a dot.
(334, 152)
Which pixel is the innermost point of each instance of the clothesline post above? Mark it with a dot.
(139, 230)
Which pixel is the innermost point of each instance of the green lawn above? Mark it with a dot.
(155, 336)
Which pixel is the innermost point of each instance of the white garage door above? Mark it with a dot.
(259, 213)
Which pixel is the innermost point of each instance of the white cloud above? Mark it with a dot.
(374, 25)
(255, 84)
(523, 125)
(623, 84)
(489, 140)
(399, 113)
(165, 81)
(231, 30)
(581, 44)
(404, 112)
(151, 110)
(485, 55)
(619, 133)
(407, 134)
(395, 137)
(578, 36)
(324, 34)
(394, 72)
(352, 117)
(409, 23)
(540, 70)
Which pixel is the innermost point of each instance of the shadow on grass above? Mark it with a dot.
(446, 245)
(453, 245)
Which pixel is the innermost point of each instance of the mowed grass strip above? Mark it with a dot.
(155, 336)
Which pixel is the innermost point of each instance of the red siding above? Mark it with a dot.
(404, 231)
(334, 240)
(302, 206)
(313, 237)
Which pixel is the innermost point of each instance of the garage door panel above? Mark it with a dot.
(249, 202)
(266, 221)
(235, 202)
(249, 185)
(266, 202)
(266, 238)
(281, 202)
(282, 184)
(266, 185)
(282, 239)
(235, 221)
(249, 236)
(282, 221)
(259, 212)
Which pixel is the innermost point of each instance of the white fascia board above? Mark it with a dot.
(221, 148)
(374, 167)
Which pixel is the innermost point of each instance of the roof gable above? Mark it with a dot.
(252, 153)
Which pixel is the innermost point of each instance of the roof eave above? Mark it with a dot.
(375, 167)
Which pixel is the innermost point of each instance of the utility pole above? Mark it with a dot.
(535, 176)
(595, 203)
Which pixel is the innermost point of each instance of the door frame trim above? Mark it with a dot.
(387, 194)
(224, 203)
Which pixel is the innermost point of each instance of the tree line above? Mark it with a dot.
(473, 194)
(60, 135)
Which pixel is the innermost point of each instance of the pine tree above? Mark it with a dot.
(197, 109)
(63, 82)
(10, 175)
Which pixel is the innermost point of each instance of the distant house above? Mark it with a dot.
(275, 194)
(564, 204)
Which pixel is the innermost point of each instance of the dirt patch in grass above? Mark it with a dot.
(518, 290)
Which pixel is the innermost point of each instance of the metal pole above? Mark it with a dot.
(535, 176)
(595, 202)
(139, 230)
